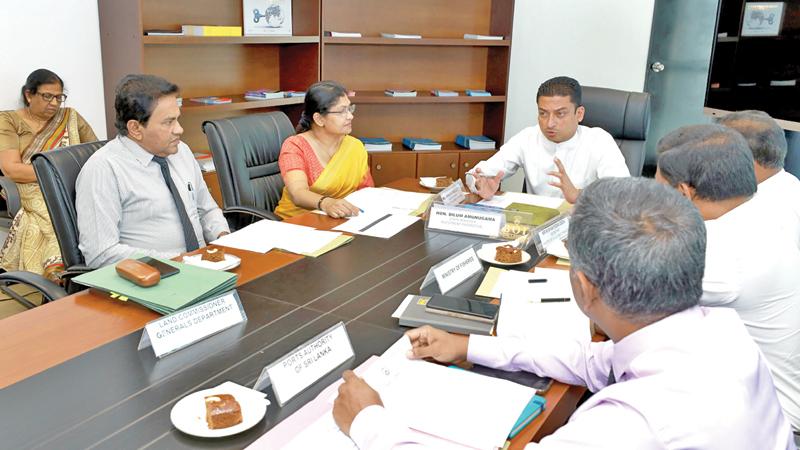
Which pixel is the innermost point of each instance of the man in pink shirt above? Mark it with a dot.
(674, 375)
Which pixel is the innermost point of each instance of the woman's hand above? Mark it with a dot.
(338, 208)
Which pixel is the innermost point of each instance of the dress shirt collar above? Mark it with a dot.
(143, 156)
(651, 337)
(567, 145)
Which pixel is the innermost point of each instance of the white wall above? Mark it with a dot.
(60, 35)
(598, 42)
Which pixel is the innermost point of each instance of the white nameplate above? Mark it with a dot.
(187, 326)
(306, 364)
(553, 232)
(466, 220)
(453, 194)
(452, 272)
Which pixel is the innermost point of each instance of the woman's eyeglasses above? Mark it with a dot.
(48, 97)
(351, 108)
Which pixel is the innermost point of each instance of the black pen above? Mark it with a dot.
(555, 299)
(537, 280)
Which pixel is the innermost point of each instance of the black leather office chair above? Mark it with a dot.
(57, 172)
(625, 115)
(10, 202)
(245, 151)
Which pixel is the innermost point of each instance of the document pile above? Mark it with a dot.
(386, 211)
(191, 285)
(436, 403)
(266, 235)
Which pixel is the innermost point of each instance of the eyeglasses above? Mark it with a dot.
(351, 108)
(48, 97)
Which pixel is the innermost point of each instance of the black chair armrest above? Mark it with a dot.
(240, 216)
(49, 290)
(9, 187)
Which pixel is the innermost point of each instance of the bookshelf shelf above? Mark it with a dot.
(378, 97)
(239, 103)
(228, 40)
(438, 42)
(447, 147)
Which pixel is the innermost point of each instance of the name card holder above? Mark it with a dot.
(453, 271)
(453, 194)
(297, 370)
(466, 219)
(555, 229)
(182, 328)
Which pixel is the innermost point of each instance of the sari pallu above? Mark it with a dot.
(31, 244)
(341, 176)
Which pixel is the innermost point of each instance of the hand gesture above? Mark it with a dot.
(338, 208)
(564, 183)
(429, 342)
(354, 395)
(487, 186)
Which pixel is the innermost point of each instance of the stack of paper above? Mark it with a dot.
(377, 224)
(192, 285)
(266, 235)
(389, 200)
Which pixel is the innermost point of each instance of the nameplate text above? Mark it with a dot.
(455, 270)
(460, 219)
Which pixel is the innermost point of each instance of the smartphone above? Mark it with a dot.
(463, 308)
(163, 268)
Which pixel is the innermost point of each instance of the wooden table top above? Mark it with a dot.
(38, 339)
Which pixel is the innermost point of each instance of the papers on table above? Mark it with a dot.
(522, 314)
(504, 200)
(437, 403)
(266, 235)
(389, 200)
(380, 224)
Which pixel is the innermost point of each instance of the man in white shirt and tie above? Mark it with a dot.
(559, 156)
(767, 142)
(673, 375)
(143, 193)
(752, 259)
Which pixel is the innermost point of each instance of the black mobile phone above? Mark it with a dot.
(163, 268)
(462, 307)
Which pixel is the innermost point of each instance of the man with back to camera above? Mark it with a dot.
(752, 260)
(559, 156)
(767, 142)
(674, 374)
(143, 192)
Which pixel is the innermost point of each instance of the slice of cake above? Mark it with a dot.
(213, 255)
(508, 254)
(222, 411)
(443, 182)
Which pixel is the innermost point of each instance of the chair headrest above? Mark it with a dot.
(623, 114)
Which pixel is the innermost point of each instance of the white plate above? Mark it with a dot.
(430, 183)
(558, 249)
(230, 262)
(487, 253)
(189, 414)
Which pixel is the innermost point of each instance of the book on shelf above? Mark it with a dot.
(443, 93)
(343, 34)
(163, 32)
(263, 94)
(478, 93)
(211, 30)
(412, 313)
(376, 144)
(401, 36)
(267, 18)
(482, 37)
(475, 142)
(290, 94)
(783, 82)
(421, 144)
(400, 92)
(212, 100)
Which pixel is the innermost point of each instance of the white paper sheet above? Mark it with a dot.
(502, 201)
(265, 235)
(523, 315)
(385, 228)
(395, 201)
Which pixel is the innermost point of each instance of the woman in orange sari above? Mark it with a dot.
(322, 164)
(42, 125)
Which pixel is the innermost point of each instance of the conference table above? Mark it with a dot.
(72, 376)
